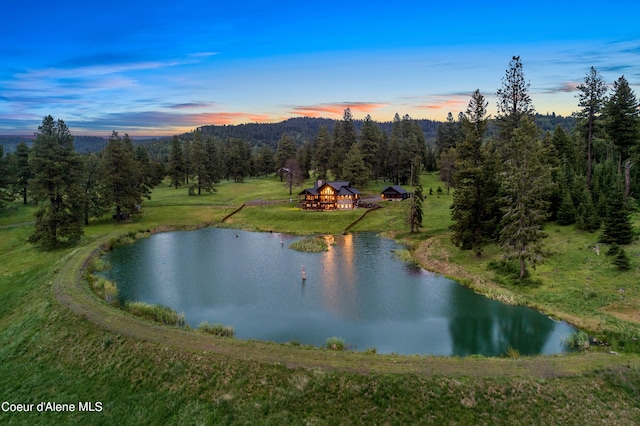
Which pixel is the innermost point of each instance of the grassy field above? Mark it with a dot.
(60, 343)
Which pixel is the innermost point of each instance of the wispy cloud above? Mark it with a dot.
(454, 103)
(191, 105)
(565, 87)
(166, 122)
(335, 109)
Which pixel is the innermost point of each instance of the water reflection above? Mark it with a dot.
(356, 290)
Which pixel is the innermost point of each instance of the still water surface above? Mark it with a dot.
(357, 291)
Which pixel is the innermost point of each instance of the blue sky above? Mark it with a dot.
(165, 67)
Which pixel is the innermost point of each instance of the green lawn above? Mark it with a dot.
(146, 374)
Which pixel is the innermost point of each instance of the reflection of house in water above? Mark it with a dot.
(395, 193)
(338, 277)
(329, 196)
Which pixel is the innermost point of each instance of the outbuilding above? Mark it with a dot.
(395, 193)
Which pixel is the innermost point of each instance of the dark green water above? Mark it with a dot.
(357, 291)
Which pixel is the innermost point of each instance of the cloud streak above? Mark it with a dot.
(162, 121)
(335, 109)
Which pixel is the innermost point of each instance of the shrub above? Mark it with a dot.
(310, 245)
(578, 340)
(335, 344)
(614, 249)
(512, 353)
(158, 313)
(216, 329)
(621, 260)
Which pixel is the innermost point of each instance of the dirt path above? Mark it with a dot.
(72, 292)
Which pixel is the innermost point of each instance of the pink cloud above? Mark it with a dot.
(335, 109)
(446, 104)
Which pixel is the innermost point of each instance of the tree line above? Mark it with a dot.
(509, 177)
(509, 184)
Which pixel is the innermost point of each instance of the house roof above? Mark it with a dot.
(341, 188)
(395, 188)
(312, 191)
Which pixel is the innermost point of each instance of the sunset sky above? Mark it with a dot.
(166, 67)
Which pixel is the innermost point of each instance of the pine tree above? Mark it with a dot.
(322, 153)
(176, 163)
(417, 198)
(286, 151)
(344, 137)
(56, 185)
(591, 100)
(623, 118)
(123, 178)
(393, 155)
(587, 218)
(293, 174)
(354, 168)
(448, 135)
(412, 147)
(617, 225)
(514, 102)
(370, 143)
(23, 170)
(266, 164)
(621, 260)
(567, 211)
(214, 160)
(199, 164)
(471, 210)
(94, 204)
(525, 186)
(6, 194)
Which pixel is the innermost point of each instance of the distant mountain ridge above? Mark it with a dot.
(300, 129)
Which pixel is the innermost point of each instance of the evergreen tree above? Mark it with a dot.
(587, 218)
(354, 168)
(471, 210)
(412, 147)
(448, 135)
(293, 174)
(199, 165)
(187, 156)
(214, 160)
(393, 155)
(621, 260)
(238, 159)
(344, 137)
(123, 178)
(23, 170)
(286, 151)
(322, 153)
(6, 194)
(176, 163)
(564, 147)
(591, 100)
(94, 203)
(417, 198)
(623, 118)
(370, 145)
(567, 211)
(304, 156)
(55, 185)
(267, 164)
(617, 225)
(514, 102)
(525, 186)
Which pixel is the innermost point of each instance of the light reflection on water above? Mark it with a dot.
(356, 290)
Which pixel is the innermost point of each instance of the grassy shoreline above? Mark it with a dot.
(59, 342)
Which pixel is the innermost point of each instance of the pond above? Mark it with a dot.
(357, 291)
